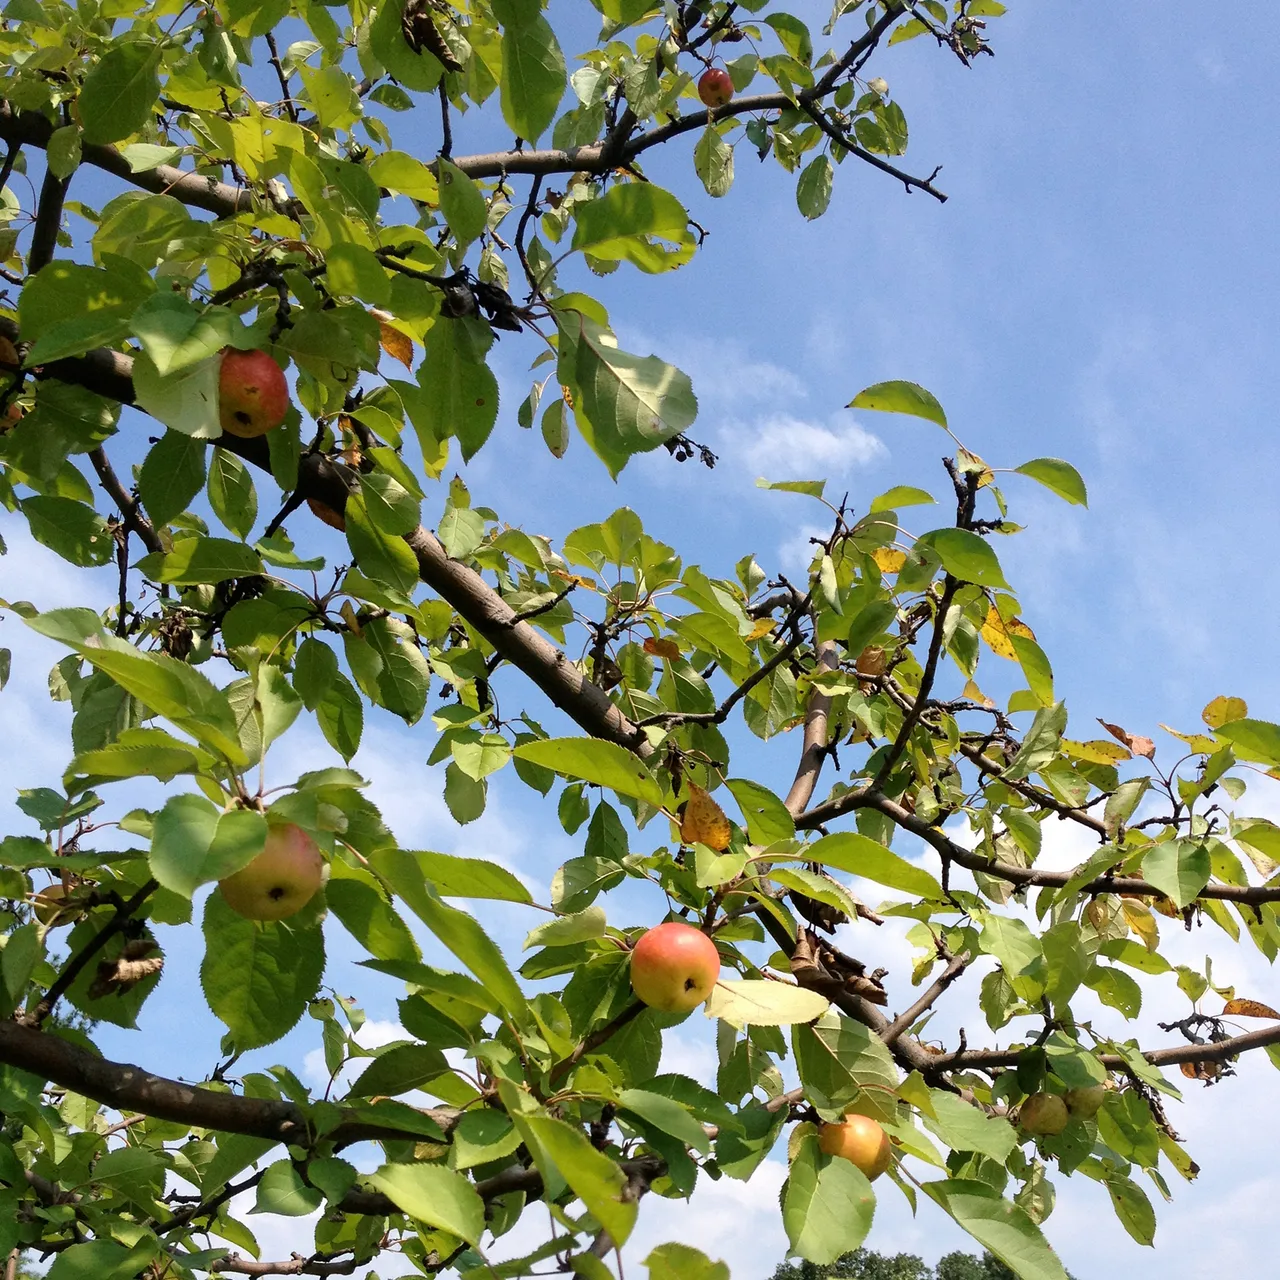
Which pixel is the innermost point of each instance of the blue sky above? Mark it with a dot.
(1101, 286)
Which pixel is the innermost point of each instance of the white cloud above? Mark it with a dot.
(783, 447)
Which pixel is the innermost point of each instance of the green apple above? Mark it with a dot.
(1043, 1114)
(674, 967)
(1085, 1103)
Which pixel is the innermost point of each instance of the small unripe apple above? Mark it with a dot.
(1085, 1103)
(1043, 1114)
(861, 1141)
(674, 967)
(253, 397)
(280, 881)
(715, 88)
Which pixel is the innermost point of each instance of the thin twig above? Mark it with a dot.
(287, 101)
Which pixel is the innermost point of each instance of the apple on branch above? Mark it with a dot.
(253, 396)
(715, 88)
(861, 1141)
(280, 881)
(1043, 1115)
(674, 967)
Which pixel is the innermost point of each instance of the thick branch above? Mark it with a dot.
(128, 1088)
(814, 748)
(33, 129)
(235, 1264)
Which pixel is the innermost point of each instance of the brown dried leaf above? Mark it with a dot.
(872, 661)
(398, 345)
(9, 354)
(1139, 745)
(703, 821)
(1224, 710)
(1201, 1070)
(998, 633)
(889, 560)
(1248, 1009)
(661, 648)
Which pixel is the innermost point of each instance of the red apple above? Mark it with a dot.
(1043, 1114)
(280, 881)
(714, 87)
(860, 1140)
(253, 396)
(674, 967)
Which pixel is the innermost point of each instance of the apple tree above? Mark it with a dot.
(253, 290)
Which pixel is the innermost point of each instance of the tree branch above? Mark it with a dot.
(814, 749)
(134, 520)
(316, 1265)
(1024, 877)
(904, 1021)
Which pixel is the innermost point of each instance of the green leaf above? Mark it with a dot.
(827, 1204)
(399, 1069)
(839, 1062)
(102, 1260)
(456, 877)
(353, 896)
(258, 976)
(760, 1003)
(437, 1196)
(713, 162)
(1180, 869)
(966, 556)
(455, 929)
(461, 391)
(903, 495)
(171, 476)
(231, 492)
(900, 397)
(192, 844)
(1019, 952)
(461, 531)
(283, 1191)
(1059, 476)
(676, 1261)
(533, 68)
(120, 92)
(461, 203)
(563, 931)
(813, 191)
(176, 336)
(384, 557)
(201, 560)
(862, 856)
(623, 404)
(75, 531)
(767, 818)
(1002, 1227)
(1257, 740)
(810, 488)
(595, 1179)
(186, 401)
(965, 1127)
(624, 224)
(63, 151)
(668, 1115)
(1132, 1208)
(593, 760)
(340, 715)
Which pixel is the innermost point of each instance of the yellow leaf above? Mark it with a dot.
(1196, 741)
(661, 648)
(997, 632)
(1223, 711)
(1095, 751)
(577, 579)
(1248, 1009)
(970, 462)
(1142, 922)
(762, 628)
(1138, 745)
(889, 560)
(349, 617)
(974, 694)
(702, 821)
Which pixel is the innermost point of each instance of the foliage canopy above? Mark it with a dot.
(270, 190)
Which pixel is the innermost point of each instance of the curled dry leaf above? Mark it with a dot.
(702, 821)
(398, 345)
(1139, 745)
(1248, 1009)
(872, 661)
(1207, 1071)
(134, 963)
